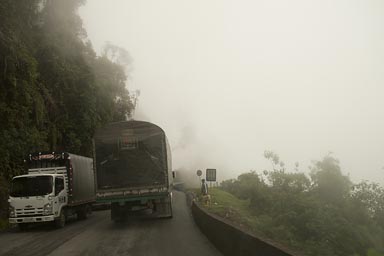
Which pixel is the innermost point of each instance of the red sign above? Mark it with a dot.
(128, 142)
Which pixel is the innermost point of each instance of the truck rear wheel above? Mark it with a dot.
(89, 209)
(82, 213)
(168, 205)
(116, 213)
(170, 210)
(60, 222)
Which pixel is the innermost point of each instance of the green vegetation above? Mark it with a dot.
(232, 208)
(54, 89)
(323, 214)
(3, 223)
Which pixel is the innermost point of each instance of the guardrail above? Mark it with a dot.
(229, 239)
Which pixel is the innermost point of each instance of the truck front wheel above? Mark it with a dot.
(60, 221)
(23, 226)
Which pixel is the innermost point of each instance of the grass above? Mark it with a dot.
(238, 212)
(233, 209)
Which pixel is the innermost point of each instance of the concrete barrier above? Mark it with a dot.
(229, 239)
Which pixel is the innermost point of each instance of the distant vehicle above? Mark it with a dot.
(133, 169)
(58, 185)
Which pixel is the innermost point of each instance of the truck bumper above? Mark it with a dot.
(128, 198)
(33, 219)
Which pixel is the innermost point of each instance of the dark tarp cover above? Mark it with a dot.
(130, 154)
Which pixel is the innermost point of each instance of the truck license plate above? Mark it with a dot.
(28, 220)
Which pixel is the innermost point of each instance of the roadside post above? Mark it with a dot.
(199, 173)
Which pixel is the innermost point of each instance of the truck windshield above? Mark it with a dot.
(31, 186)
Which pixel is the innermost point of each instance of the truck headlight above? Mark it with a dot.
(47, 209)
(12, 213)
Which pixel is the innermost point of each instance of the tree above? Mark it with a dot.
(324, 214)
(328, 181)
(54, 90)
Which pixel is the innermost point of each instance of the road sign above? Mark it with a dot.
(199, 173)
(211, 175)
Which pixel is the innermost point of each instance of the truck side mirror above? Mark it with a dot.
(173, 174)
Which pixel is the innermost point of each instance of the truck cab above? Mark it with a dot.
(39, 197)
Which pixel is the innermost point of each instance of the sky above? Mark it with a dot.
(229, 79)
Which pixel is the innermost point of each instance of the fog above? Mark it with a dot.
(228, 79)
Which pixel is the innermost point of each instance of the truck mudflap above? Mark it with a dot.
(163, 207)
(32, 219)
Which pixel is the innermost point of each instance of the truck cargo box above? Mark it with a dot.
(131, 155)
(83, 180)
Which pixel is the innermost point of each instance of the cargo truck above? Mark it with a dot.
(133, 169)
(57, 185)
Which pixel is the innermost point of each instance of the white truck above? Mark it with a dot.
(57, 185)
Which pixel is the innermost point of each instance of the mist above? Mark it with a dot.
(228, 80)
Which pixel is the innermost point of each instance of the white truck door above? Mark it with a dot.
(61, 196)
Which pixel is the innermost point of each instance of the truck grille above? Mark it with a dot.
(29, 212)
